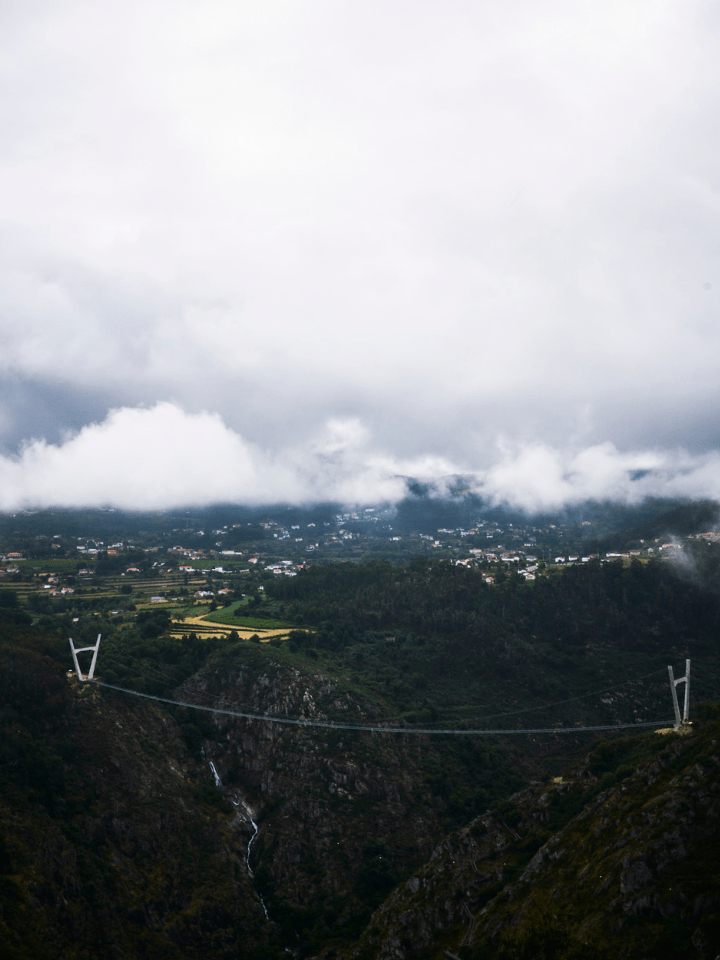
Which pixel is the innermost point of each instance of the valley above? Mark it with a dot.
(139, 828)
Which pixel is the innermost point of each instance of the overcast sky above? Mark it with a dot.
(299, 249)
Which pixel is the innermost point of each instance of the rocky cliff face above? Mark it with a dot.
(343, 815)
(633, 873)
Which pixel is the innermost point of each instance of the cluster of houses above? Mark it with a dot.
(53, 590)
(286, 567)
(11, 560)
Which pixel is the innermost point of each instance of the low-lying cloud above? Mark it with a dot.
(162, 456)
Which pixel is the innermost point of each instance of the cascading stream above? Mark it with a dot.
(240, 802)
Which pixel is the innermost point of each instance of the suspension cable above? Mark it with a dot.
(583, 696)
(354, 726)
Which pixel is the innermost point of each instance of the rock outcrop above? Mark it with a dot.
(343, 815)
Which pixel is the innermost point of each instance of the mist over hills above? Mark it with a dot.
(422, 509)
(154, 458)
(594, 525)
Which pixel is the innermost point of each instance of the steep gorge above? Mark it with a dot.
(343, 815)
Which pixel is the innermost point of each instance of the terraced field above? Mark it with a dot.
(204, 627)
(234, 616)
(133, 592)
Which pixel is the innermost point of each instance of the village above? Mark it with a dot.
(216, 566)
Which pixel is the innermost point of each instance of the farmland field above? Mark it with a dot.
(228, 616)
(258, 623)
(204, 627)
(49, 565)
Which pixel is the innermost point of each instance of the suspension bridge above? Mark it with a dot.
(678, 722)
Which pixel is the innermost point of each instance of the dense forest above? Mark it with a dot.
(436, 633)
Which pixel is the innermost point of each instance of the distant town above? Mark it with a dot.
(59, 561)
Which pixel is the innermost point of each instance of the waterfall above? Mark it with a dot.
(248, 813)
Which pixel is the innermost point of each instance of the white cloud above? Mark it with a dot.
(136, 458)
(538, 478)
(160, 457)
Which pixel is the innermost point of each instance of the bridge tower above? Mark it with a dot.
(673, 688)
(75, 651)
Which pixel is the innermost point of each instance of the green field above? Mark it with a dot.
(189, 610)
(207, 563)
(47, 566)
(230, 618)
(258, 623)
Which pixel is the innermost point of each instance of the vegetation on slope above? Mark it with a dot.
(443, 644)
(110, 844)
(618, 859)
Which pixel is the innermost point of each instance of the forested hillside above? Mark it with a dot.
(437, 635)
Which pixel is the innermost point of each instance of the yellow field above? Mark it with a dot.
(217, 630)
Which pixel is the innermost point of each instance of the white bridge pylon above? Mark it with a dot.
(75, 651)
(673, 687)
